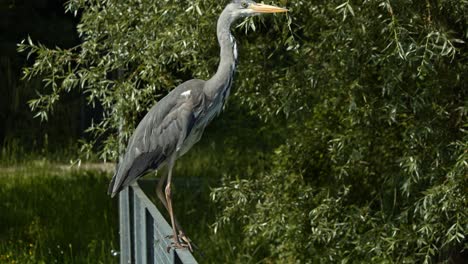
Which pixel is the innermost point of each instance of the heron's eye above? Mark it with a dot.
(244, 4)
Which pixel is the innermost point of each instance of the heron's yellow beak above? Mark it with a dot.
(261, 8)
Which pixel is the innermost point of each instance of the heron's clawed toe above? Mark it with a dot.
(179, 245)
(183, 242)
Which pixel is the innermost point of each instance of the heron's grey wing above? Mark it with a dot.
(154, 140)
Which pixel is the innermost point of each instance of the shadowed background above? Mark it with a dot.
(344, 139)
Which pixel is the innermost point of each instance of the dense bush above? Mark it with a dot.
(368, 100)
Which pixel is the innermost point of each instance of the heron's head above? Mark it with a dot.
(245, 8)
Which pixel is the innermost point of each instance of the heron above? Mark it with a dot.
(173, 125)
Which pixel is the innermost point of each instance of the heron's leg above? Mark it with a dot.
(174, 223)
(159, 191)
(162, 198)
(168, 193)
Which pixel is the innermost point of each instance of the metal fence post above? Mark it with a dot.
(144, 232)
(124, 229)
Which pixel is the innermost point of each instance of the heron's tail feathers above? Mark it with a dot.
(111, 187)
(110, 190)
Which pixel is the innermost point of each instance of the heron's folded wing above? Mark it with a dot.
(153, 143)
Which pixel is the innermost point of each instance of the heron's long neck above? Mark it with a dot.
(220, 84)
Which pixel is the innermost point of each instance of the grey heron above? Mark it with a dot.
(178, 120)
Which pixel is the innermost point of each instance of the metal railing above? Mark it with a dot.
(144, 232)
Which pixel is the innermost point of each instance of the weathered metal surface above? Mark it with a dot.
(144, 232)
(124, 220)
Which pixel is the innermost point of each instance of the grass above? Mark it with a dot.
(54, 215)
(50, 213)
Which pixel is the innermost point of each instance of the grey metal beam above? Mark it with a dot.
(124, 229)
(144, 232)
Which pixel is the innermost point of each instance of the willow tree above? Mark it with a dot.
(374, 168)
(367, 98)
(131, 54)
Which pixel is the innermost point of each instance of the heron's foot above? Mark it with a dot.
(185, 241)
(182, 242)
(179, 245)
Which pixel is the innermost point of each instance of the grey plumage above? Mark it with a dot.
(177, 121)
(161, 133)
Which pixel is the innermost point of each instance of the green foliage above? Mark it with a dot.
(366, 99)
(131, 51)
(52, 214)
(375, 167)
(43, 204)
(15, 153)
